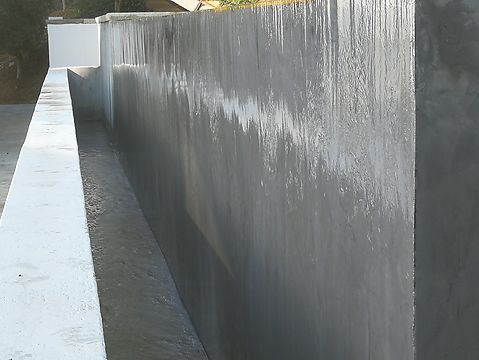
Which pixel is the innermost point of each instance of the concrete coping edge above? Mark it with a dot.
(70, 21)
(112, 17)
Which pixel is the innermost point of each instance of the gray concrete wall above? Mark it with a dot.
(86, 89)
(447, 194)
(272, 151)
(268, 152)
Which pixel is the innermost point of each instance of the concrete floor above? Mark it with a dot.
(143, 317)
(14, 121)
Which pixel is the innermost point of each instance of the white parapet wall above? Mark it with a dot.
(49, 307)
(74, 44)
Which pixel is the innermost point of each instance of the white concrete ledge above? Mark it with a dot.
(49, 306)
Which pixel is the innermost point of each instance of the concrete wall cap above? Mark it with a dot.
(70, 21)
(110, 17)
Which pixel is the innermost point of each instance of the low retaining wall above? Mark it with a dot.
(272, 151)
(49, 305)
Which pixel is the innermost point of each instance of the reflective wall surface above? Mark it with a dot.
(272, 152)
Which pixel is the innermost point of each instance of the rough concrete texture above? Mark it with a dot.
(447, 185)
(272, 152)
(14, 120)
(143, 316)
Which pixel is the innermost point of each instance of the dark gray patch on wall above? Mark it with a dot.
(272, 152)
(447, 180)
(86, 92)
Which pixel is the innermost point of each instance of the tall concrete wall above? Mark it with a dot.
(272, 151)
(447, 185)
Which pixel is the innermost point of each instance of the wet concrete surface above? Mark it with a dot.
(143, 317)
(272, 152)
(14, 121)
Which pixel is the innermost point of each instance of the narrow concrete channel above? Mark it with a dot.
(143, 316)
(14, 121)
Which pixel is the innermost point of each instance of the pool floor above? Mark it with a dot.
(143, 316)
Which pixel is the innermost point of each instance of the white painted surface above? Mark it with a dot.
(73, 45)
(190, 5)
(49, 306)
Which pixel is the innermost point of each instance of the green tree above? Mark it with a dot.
(94, 8)
(23, 28)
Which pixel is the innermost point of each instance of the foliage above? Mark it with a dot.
(68, 13)
(22, 26)
(94, 8)
(133, 5)
(232, 3)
